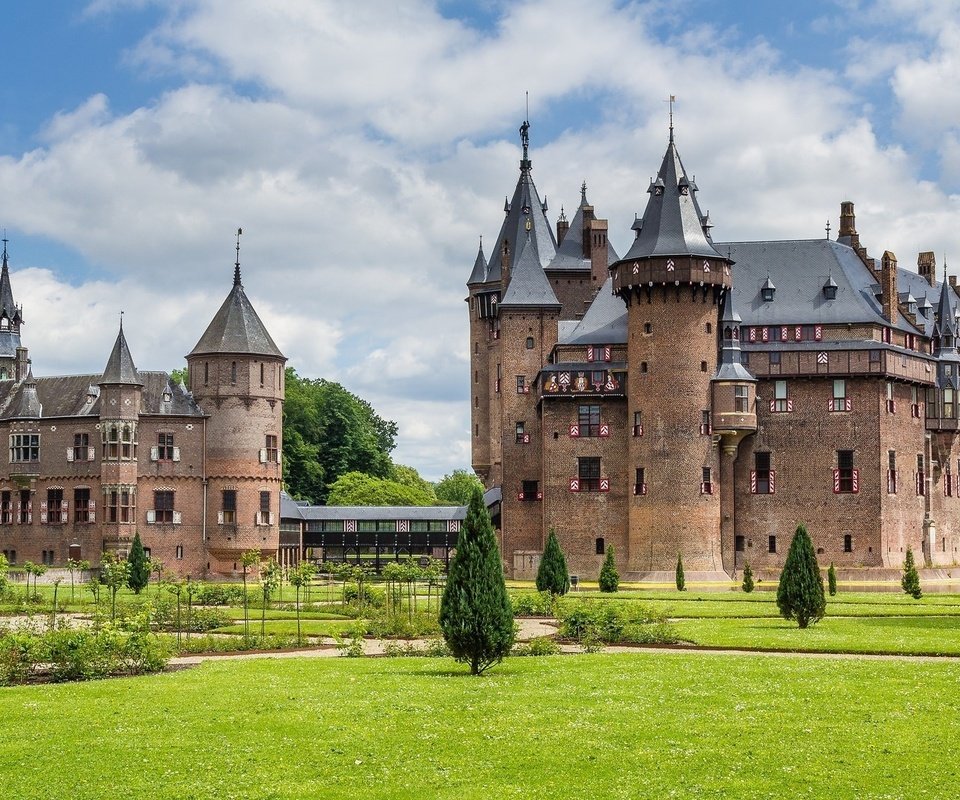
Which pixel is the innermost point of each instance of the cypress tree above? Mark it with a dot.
(832, 580)
(681, 581)
(747, 579)
(139, 566)
(475, 612)
(609, 577)
(552, 576)
(911, 578)
(800, 593)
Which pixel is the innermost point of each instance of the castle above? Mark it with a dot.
(94, 458)
(701, 399)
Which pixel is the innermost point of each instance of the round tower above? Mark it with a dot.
(236, 375)
(672, 280)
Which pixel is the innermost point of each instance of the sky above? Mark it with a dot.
(365, 148)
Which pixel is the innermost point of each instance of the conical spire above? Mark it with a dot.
(7, 307)
(528, 282)
(120, 368)
(672, 223)
(479, 272)
(29, 406)
(945, 329)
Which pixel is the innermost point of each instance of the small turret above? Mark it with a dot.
(734, 387)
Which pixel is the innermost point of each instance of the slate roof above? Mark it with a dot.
(570, 252)
(380, 512)
(605, 321)
(479, 273)
(79, 396)
(236, 328)
(120, 367)
(672, 223)
(528, 285)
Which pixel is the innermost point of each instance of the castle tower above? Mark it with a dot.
(672, 280)
(236, 374)
(13, 356)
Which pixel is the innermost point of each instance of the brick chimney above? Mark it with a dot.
(599, 268)
(927, 267)
(588, 218)
(888, 286)
(505, 266)
(563, 225)
(848, 225)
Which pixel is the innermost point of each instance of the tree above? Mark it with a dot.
(475, 612)
(358, 489)
(139, 566)
(409, 477)
(457, 487)
(832, 580)
(4, 569)
(115, 573)
(247, 560)
(800, 593)
(747, 579)
(609, 577)
(911, 578)
(300, 576)
(180, 376)
(269, 580)
(681, 581)
(80, 567)
(552, 576)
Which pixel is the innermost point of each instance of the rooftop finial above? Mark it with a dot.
(525, 136)
(5, 240)
(828, 229)
(583, 193)
(670, 102)
(236, 266)
(121, 321)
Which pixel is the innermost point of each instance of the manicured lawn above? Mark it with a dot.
(600, 726)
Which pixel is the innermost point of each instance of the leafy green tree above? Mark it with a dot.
(114, 573)
(681, 581)
(832, 580)
(408, 476)
(358, 489)
(747, 579)
(553, 576)
(248, 559)
(269, 581)
(328, 432)
(457, 487)
(475, 613)
(609, 577)
(139, 566)
(800, 593)
(180, 376)
(76, 566)
(911, 578)
(300, 576)
(4, 570)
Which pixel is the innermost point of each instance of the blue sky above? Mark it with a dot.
(365, 147)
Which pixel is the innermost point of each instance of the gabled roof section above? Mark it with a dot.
(479, 272)
(528, 283)
(236, 328)
(120, 367)
(526, 217)
(672, 223)
(605, 321)
(570, 251)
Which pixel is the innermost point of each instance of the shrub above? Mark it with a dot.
(800, 593)
(528, 604)
(139, 573)
(373, 597)
(402, 626)
(747, 579)
(911, 578)
(606, 622)
(609, 577)
(218, 594)
(832, 580)
(434, 647)
(681, 581)
(552, 576)
(350, 641)
(539, 646)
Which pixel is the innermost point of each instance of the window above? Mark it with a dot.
(947, 481)
(647, 327)
(640, 482)
(228, 505)
(162, 507)
(271, 452)
(845, 477)
(771, 544)
(82, 507)
(24, 447)
(840, 401)
(522, 384)
(164, 447)
(233, 373)
(6, 508)
(179, 552)
(265, 516)
(54, 507)
(371, 525)
(643, 367)
(914, 402)
(709, 327)
(264, 502)
(847, 543)
(47, 557)
(921, 475)
(81, 446)
(948, 410)
(600, 546)
(775, 358)
(588, 471)
(529, 343)
(25, 508)
(891, 472)
(705, 423)
(119, 440)
(741, 399)
(703, 366)
(637, 423)
(600, 353)
(588, 419)
(874, 356)
(120, 504)
(206, 372)
(780, 400)
(706, 481)
(761, 479)
(261, 376)
(740, 543)
(530, 490)
(11, 556)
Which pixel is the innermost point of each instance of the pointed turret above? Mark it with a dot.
(479, 273)
(945, 327)
(731, 367)
(8, 309)
(12, 355)
(528, 283)
(525, 216)
(236, 328)
(120, 368)
(29, 406)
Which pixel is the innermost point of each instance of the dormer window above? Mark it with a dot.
(830, 289)
(767, 290)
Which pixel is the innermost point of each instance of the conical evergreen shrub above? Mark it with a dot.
(747, 579)
(800, 593)
(681, 581)
(552, 576)
(609, 577)
(139, 566)
(475, 613)
(832, 580)
(911, 578)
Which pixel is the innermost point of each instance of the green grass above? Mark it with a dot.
(608, 726)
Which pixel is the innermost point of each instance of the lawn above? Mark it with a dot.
(604, 726)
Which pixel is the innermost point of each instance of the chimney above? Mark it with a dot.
(563, 225)
(505, 266)
(848, 225)
(587, 241)
(597, 234)
(888, 286)
(23, 363)
(927, 267)
(953, 280)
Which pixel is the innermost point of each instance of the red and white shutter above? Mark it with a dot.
(784, 334)
(589, 354)
(574, 484)
(92, 510)
(607, 353)
(773, 478)
(574, 431)
(604, 429)
(604, 484)
(526, 438)
(836, 481)
(818, 332)
(753, 334)
(43, 511)
(797, 333)
(789, 404)
(764, 334)
(856, 481)
(753, 481)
